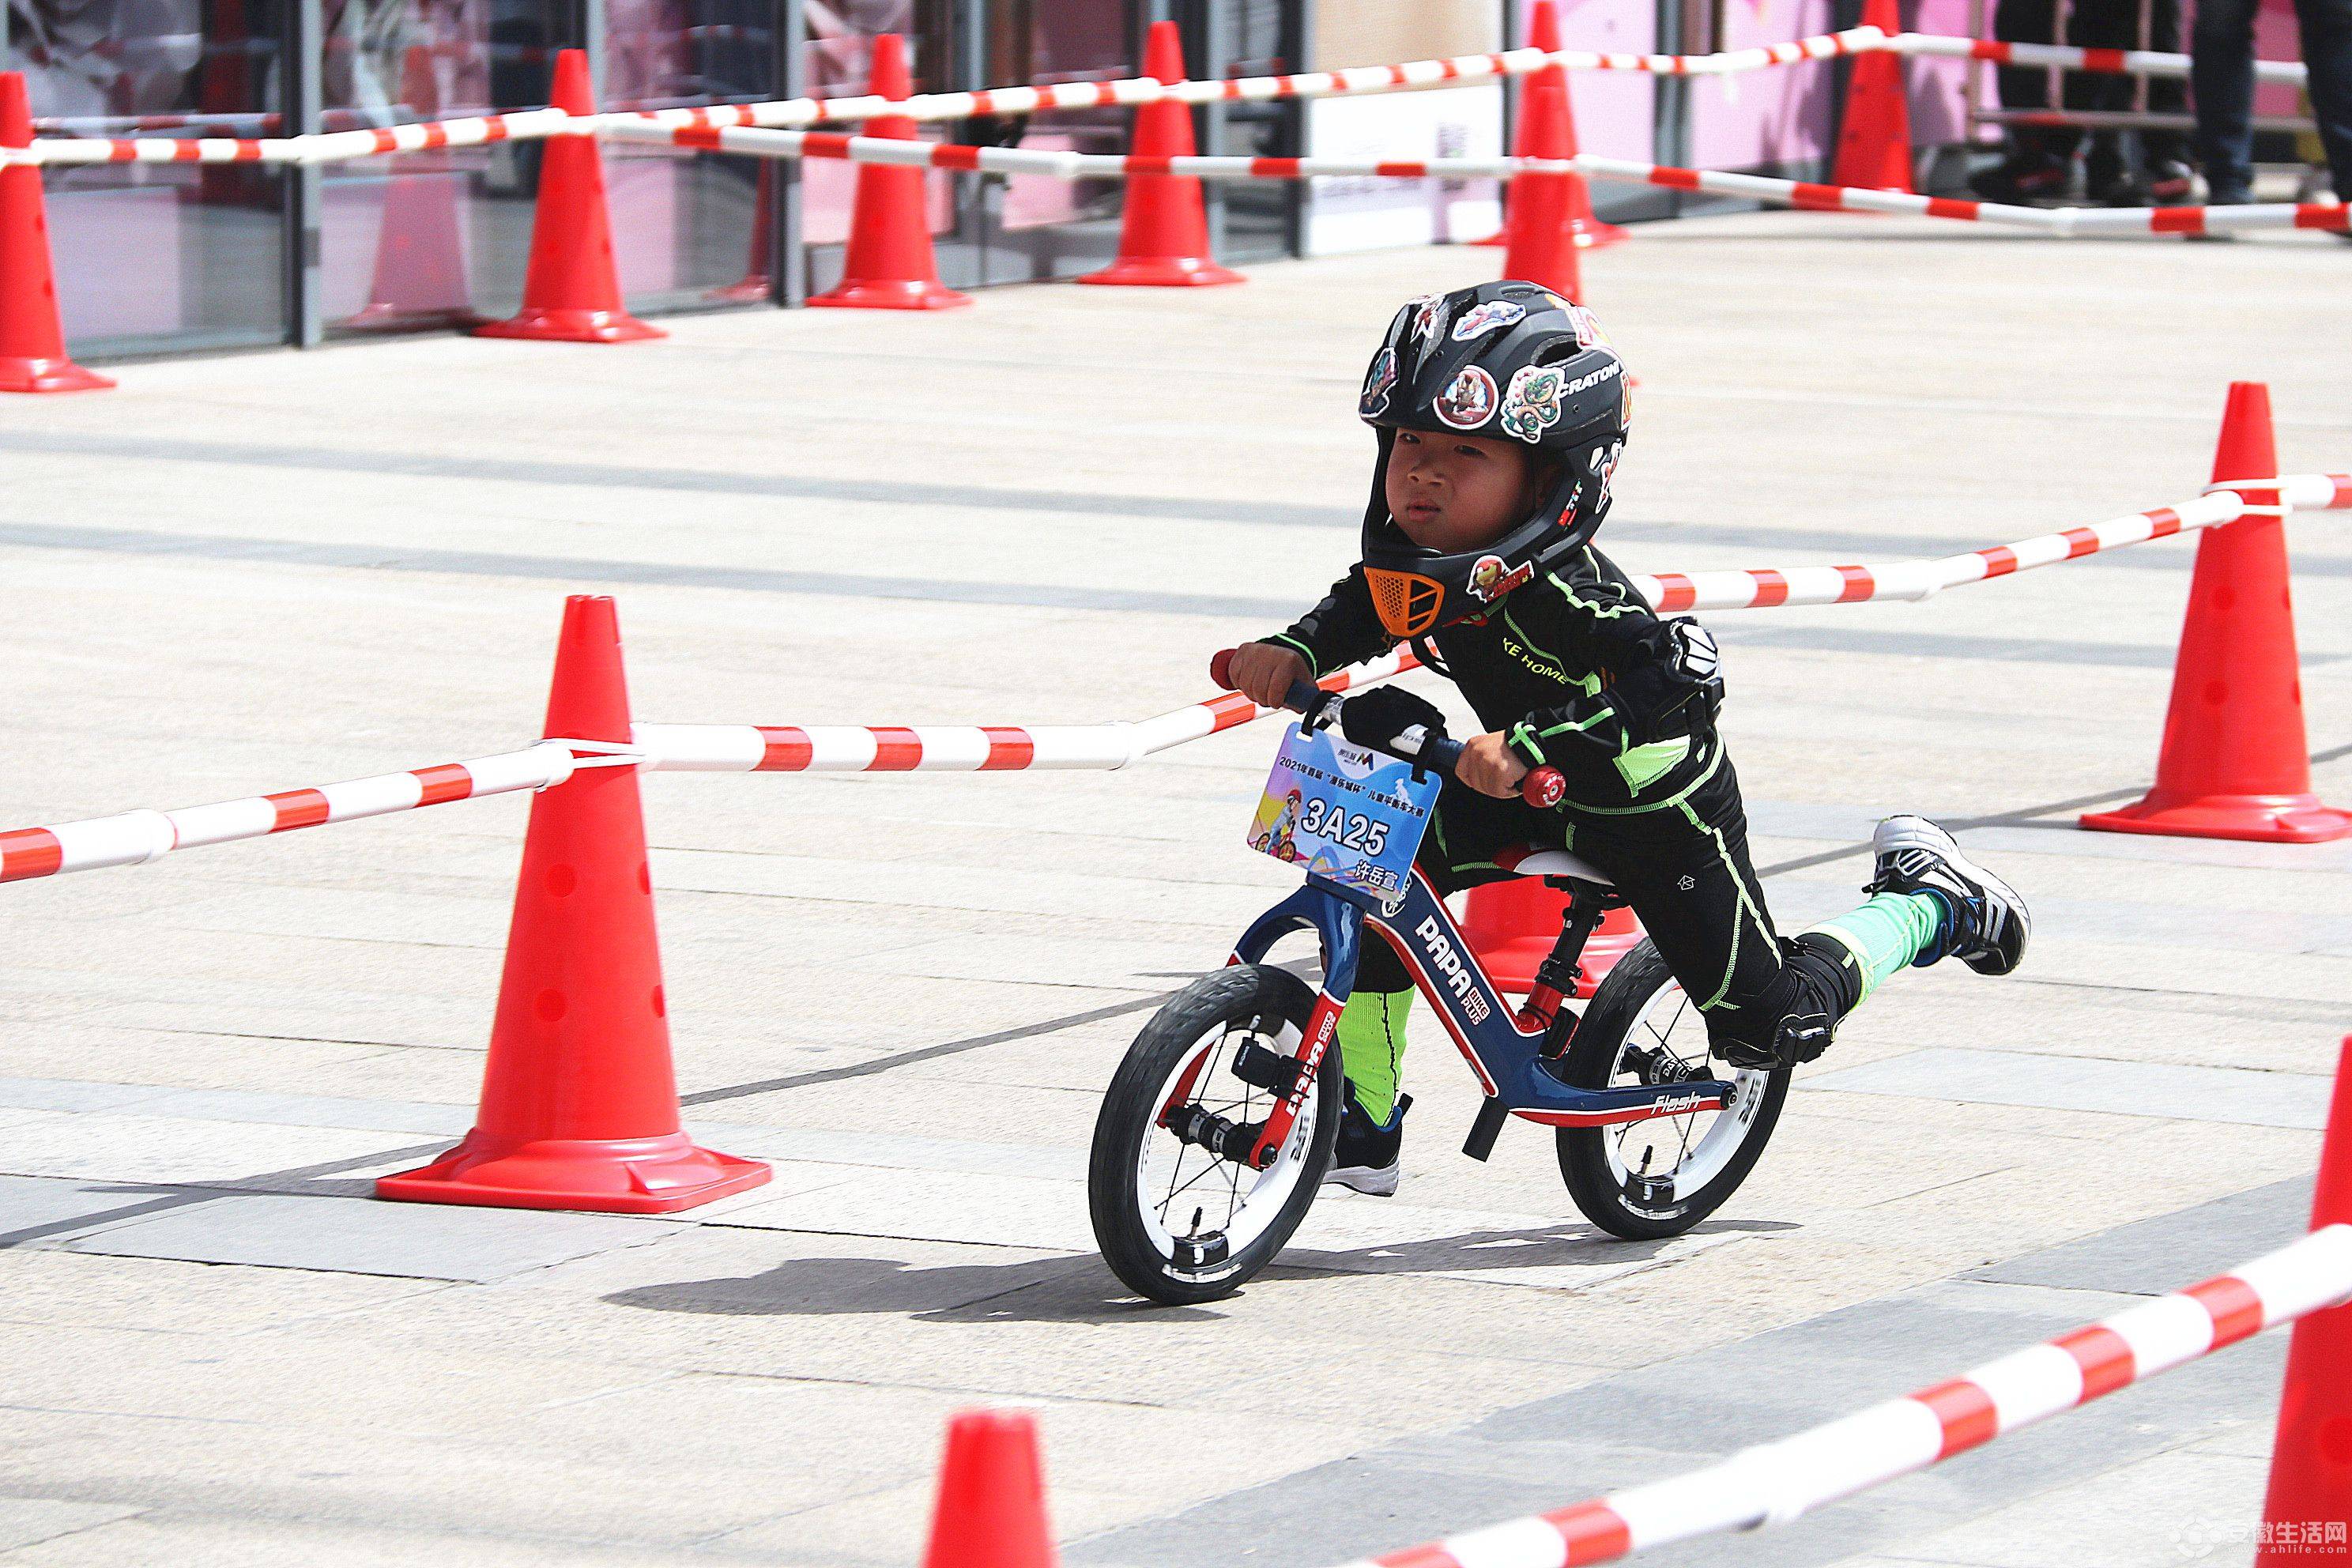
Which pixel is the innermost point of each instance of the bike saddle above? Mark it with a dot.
(1530, 860)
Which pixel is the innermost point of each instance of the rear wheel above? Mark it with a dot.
(1646, 1180)
(1175, 1220)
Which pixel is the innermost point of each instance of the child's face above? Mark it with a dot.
(1452, 493)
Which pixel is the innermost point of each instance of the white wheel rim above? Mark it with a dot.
(1172, 1179)
(1685, 1152)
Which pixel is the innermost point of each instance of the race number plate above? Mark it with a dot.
(1344, 812)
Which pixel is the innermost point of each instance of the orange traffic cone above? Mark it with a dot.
(2234, 763)
(572, 292)
(1875, 138)
(1543, 248)
(2311, 1462)
(1512, 925)
(579, 1107)
(992, 1507)
(32, 338)
(1587, 231)
(1163, 234)
(420, 252)
(888, 266)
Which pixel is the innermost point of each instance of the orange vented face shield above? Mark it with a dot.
(1406, 602)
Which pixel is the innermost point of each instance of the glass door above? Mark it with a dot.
(1250, 220)
(1033, 226)
(691, 229)
(425, 240)
(153, 256)
(837, 63)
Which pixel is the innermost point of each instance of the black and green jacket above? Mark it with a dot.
(1572, 666)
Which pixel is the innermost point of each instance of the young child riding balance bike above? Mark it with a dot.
(1501, 412)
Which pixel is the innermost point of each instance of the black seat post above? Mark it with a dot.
(1586, 905)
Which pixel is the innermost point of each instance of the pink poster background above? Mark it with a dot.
(1938, 106)
(1613, 109)
(1777, 116)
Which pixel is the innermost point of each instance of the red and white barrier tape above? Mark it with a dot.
(2064, 222)
(1127, 91)
(960, 748)
(324, 147)
(1773, 1483)
(2111, 62)
(137, 836)
(1764, 587)
(757, 748)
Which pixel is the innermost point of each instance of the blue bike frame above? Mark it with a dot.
(1508, 1059)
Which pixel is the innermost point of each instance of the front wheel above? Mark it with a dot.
(1175, 1221)
(1646, 1180)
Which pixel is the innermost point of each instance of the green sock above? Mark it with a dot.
(1371, 1047)
(1884, 934)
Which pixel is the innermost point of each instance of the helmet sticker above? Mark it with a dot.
(1532, 404)
(1489, 581)
(1486, 317)
(1378, 382)
(1588, 328)
(1604, 463)
(1428, 316)
(1469, 401)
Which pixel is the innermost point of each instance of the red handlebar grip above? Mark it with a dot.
(1543, 788)
(1221, 666)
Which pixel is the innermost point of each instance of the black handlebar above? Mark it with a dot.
(1542, 787)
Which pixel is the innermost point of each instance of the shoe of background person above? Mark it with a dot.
(2108, 180)
(2171, 183)
(1369, 1153)
(2038, 178)
(1989, 924)
(2122, 191)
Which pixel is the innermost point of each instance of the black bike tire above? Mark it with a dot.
(1130, 1112)
(1583, 1154)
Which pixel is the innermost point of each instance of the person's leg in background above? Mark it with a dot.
(2103, 25)
(2037, 163)
(2327, 53)
(2164, 152)
(2221, 73)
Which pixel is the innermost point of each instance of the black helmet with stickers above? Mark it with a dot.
(1506, 360)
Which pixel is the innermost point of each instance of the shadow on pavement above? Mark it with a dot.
(1081, 1290)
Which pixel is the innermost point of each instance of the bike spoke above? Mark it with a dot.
(1205, 1172)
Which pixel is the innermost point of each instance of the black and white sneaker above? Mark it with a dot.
(1369, 1153)
(1990, 923)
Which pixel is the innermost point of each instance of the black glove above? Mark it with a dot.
(1376, 717)
(1678, 690)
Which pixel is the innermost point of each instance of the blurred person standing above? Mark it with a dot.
(2221, 70)
(2039, 163)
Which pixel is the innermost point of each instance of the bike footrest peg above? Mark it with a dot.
(1492, 1114)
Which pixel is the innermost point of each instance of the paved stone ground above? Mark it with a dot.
(255, 572)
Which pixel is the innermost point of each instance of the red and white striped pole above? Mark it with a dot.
(2311, 1462)
(1773, 1483)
